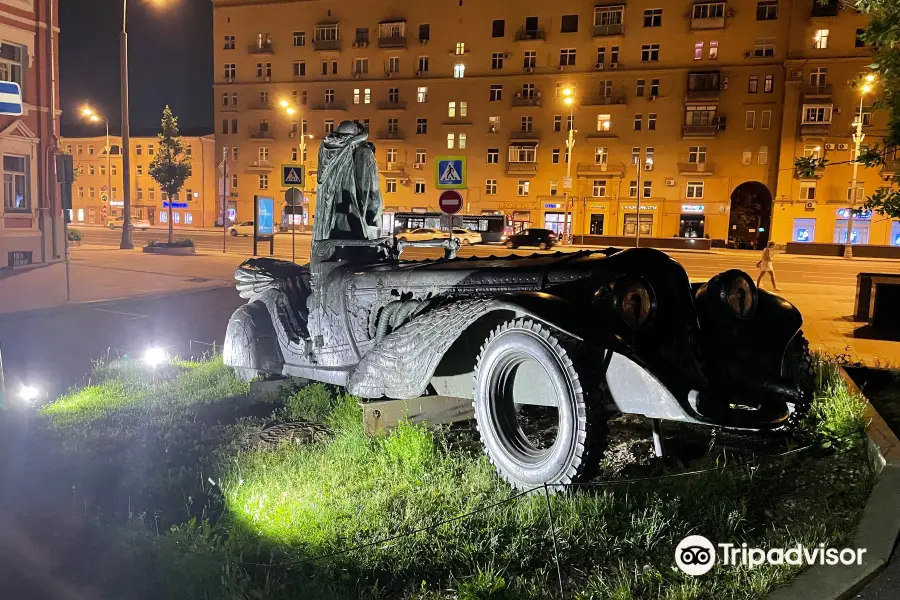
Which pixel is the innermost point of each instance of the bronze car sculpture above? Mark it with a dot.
(587, 333)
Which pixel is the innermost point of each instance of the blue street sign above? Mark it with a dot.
(265, 216)
(10, 98)
(175, 204)
(450, 172)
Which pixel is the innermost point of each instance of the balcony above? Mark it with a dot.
(890, 168)
(520, 99)
(702, 94)
(709, 15)
(592, 169)
(389, 135)
(461, 122)
(392, 168)
(696, 169)
(814, 130)
(326, 45)
(260, 166)
(525, 136)
(530, 35)
(262, 48)
(258, 133)
(328, 106)
(392, 41)
(389, 105)
(700, 131)
(609, 30)
(521, 168)
(605, 99)
(816, 91)
(601, 134)
(829, 9)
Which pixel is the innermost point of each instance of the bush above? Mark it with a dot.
(182, 242)
(74, 235)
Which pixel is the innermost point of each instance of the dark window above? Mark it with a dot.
(859, 43)
(425, 31)
(531, 23)
(569, 24)
(19, 258)
(224, 126)
(498, 28)
(767, 10)
(234, 126)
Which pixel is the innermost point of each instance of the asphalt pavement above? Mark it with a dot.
(76, 335)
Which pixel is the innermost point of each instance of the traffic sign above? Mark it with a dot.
(10, 98)
(103, 213)
(104, 198)
(450, 202)
(292, 175)
(450, 172)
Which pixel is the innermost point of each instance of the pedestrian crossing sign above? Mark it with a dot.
(292, 175)
(450, 172)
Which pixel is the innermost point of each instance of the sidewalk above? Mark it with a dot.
(101, 273)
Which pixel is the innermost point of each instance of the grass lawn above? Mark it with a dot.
(199, 509)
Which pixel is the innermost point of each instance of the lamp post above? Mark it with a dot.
(858, 138)
(569, 100)
(91, 115)
(127, 243)
(292, 111)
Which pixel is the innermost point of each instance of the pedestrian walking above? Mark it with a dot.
(765, 265)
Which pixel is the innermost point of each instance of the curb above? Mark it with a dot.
(99, 303)
(878, 528)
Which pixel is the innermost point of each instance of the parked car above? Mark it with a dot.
(244, 228)
(542, 238)
(135, 223)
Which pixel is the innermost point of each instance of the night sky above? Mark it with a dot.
(169, 60)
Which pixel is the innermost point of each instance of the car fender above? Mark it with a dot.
(403, 363)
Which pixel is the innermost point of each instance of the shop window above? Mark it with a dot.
(804, 230)
(895, 233)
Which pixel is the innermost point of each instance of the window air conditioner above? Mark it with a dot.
(614, 65)
(670, 182)
(598, 67)
(507, 55)
(651, 98)
(829, 146)
(562, 68)
(843, 146)
(529, 69)
(810, 206)
(648, 166)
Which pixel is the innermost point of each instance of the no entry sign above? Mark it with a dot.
(450, 202)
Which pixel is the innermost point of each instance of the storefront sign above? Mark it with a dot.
(117, 203)
(516, 205)
(175, 204)
(597, 206)
(692, 208)
(843, 213)
(552, 206)
(634, 207)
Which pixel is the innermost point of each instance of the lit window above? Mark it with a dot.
(599, 188)
(422, 95)
(821, 39)
(746, 157)
(694, 190)
(698, 50)
(462, 141)
(460, 47)
(603, 122)
(523, 187)
(807, 190)
(15, 183)
(451, 109)
(601, 156)
(713, 50)
(459, 71)
(451, 141)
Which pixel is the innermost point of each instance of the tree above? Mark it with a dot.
(171, 166)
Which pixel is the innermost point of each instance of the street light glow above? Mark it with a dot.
(866, 88)
(284, 104)
(87, 111)
(95, 118)
(569, 100)
(870, 77)
(567, 92)
(291, 110)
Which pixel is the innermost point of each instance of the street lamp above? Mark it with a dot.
(90, 114)
(291, 111)
(858, 138)
(568, 100)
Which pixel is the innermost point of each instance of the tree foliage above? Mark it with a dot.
(171, 166)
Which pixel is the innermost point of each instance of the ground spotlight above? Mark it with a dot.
(153, 357)
(29, 394)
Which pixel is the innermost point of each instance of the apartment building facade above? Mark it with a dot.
(687, 117)
(97, 194)
(31, 226)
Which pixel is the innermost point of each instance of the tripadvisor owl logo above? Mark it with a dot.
(695, 555)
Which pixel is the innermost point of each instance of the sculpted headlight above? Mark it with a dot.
(635, 301)
(737, 291)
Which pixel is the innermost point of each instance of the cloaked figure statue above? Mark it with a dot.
(348, 199)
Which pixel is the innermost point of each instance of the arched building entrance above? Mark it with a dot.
(751, 215)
